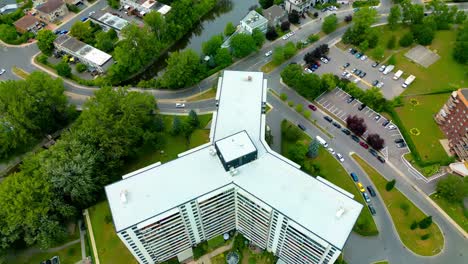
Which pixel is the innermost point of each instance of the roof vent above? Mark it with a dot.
(233, 171)
(249, 78)
(123, 196)
(340, 212)
(212, 152)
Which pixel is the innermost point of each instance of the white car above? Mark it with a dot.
(324, 60)
(363, 57)
(285, 37)
(379, 85)
(291, 33)
(331, 151)
(179, 105)
(2, 71)
(382, 68)
(391, 127)
(339, 157)
(356, 80)
(268, 53)
(344, 74)
(308, 70)
(348, 75)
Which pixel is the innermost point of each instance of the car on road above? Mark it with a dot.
(268, 53)
(375, 64)
(364, 145)
(362, 74)
(339, 157)
(381, 159)
(346, 131)
(385, 123)
(313, 107)
(179, 105)
(328, 118)
(377, 117)
(92, 13)
(324, 60)
(335, 124)
(374, 83)
(355, 138)
(350, 100)
(360, 187)
(371, 209)
(354, 176)
(366, 197)
(373, 152)
(301, 126)
(399, 140)
(371, 191)
(331, 151)
(363, 57)
(346, 65)
(2, 71)
(362, 106)
(382, 68)
(401, 145)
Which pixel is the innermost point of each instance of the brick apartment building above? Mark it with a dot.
(453, 120)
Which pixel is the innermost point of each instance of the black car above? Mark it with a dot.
(374, 83)
(375, 64)
(352, 51)
(371, 191)
(350, 100)
(401, 145)
(362, 106)
(346, 65)
(301, 126)
(371, 209)
(327, 118)
(373, 152)
(362, 74)
(399, 140)
(335, 124)
(346, 131)
(355, 138)
(358, 72)
(48, 261)
(55, 260)
(381, 159)
(385, 123)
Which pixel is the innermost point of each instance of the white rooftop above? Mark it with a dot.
(321, 208)
(235, 146)
(94, 55)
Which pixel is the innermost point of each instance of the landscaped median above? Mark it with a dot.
(326, 166)
(405, 215)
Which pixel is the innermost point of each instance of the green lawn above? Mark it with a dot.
(402, 219)
(69, 255)
(110, 247)
(219, 259)
(330, 169)
(418, 112)
(455, 211)
(250, 257)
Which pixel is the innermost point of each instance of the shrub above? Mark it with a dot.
(306, 114)
(392, 60)
(425, 236)
(283, 97)
(407, 40)
(391, 42)
(414, 225)
(389, 186)
(405, 207)
(426, 222)
(313, 38)
(80, 67)
(108, 219)
(42, 59)
(299, 108)
(291, 103)
(63, 69)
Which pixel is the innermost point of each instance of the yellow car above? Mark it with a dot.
(361, 187)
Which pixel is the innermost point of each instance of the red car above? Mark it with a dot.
(318, 63)
(313, 107)
(364, 145)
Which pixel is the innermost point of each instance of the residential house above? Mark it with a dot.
(145, 6)
(254, 20)
(301, 6)
(52, 10)
(27, 23)
(275, 15)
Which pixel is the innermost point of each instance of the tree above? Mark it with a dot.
(290, 132)
(83, 32)
(378, 52)
(453, 189)
(394, 17)
(328, 81)
(297, 153)
(423, 34)
(425, 222)
(460, 17)
(104, 42)
(330, 23)
(211, 46)
(266, 3)
(356, 125)
(193, 119)
(157, 23)
(361, 29)
(258, 37)
(45, 41)
(289, 50)
(348, 18)
(242, 45)
(223, 57)
(285, 25)
(229, 29)
(389, 185)
(299, 108)
(63, 69)
(80, 67)
(364, 46)
(461, 44)
(8, 33)
(313, 150)
(113, 3)
(375, 141)
(271, 33)
(407, 40)
(442, 14)
(391, 42)
(183, 69)
(176, 126)
(278, 55)
(293, 17)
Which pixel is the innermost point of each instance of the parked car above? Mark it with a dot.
(357, 72)
(179, 105)
(301, 126)
(371, 209)
(401, 145)
(360, 187)
(339, 157)
(366, 197)
(55, 260)
(354, 176)
(2, 71)
(346, 65)
(399, 140)
(391, 127)
(362, 74)
(374, 83)
(358, 55)
(363, 57)
(373, 152)
(352, 51)
(380, 85)
(313, 107)
(381, 159)
(385, 123)
(307, 70)
(346, 131)
(348, 75)
(375, 64)
(343, 74)
(382, 68)
(350, 100)
(335, 124)
(364, 145)
(362, 106)
(328, 118)
(354, 70)
(331, 151)
(377, 117)
(371, 191)
(83, 19)
(324, 60)
(355, 138)
(268, 53)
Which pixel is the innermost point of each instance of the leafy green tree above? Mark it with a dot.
(229, 29)
(176, 126)
(361, 30)
(83, 32)
(290, 132)
(193, 119)
(330, 23)
(211, 46)
(114, 3)
(313, 149)
(453, 189)
(378, 52)
(266, 3)
(278, 55)
(412, 14)
(389, 186)
(80, 67)
(407, 40)
(223, 57)
(45, 41)
(394, 17)
(328, 82)
(183, 69)
(364, 46)
(242, 45)
(289, 50)
(258, 37)
(461, 44)
(293, 16)
(297, 153)
(271, 33)
(157, 23)
(8, 33)
(425, 223)
(441, 13)
(63, 69)
(423, 34)
(104, 42)
(460, 17)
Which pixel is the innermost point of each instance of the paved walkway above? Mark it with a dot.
(206, 259)
(91, 236)
(82, 239)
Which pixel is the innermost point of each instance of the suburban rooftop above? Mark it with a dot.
(315, 204)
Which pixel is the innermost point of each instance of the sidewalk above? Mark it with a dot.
(91, 236)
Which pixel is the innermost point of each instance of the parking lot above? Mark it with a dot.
(336, 103)
(390, 89)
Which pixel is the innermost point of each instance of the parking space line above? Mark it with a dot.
(332, 107)
(340, 112)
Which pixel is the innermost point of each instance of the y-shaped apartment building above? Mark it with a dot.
(233, 182)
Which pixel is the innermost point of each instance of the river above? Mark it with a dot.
(211, 24)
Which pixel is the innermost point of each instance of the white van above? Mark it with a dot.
(322, 141)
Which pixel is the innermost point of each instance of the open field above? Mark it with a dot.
(455, 211)
(404, 213)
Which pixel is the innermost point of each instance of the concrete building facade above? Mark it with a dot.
(232, 183)
(453, 120)
(301, 6)
(52, 10)
(254, 20)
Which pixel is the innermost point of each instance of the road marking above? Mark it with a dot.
(331, 108)
(339, 112)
